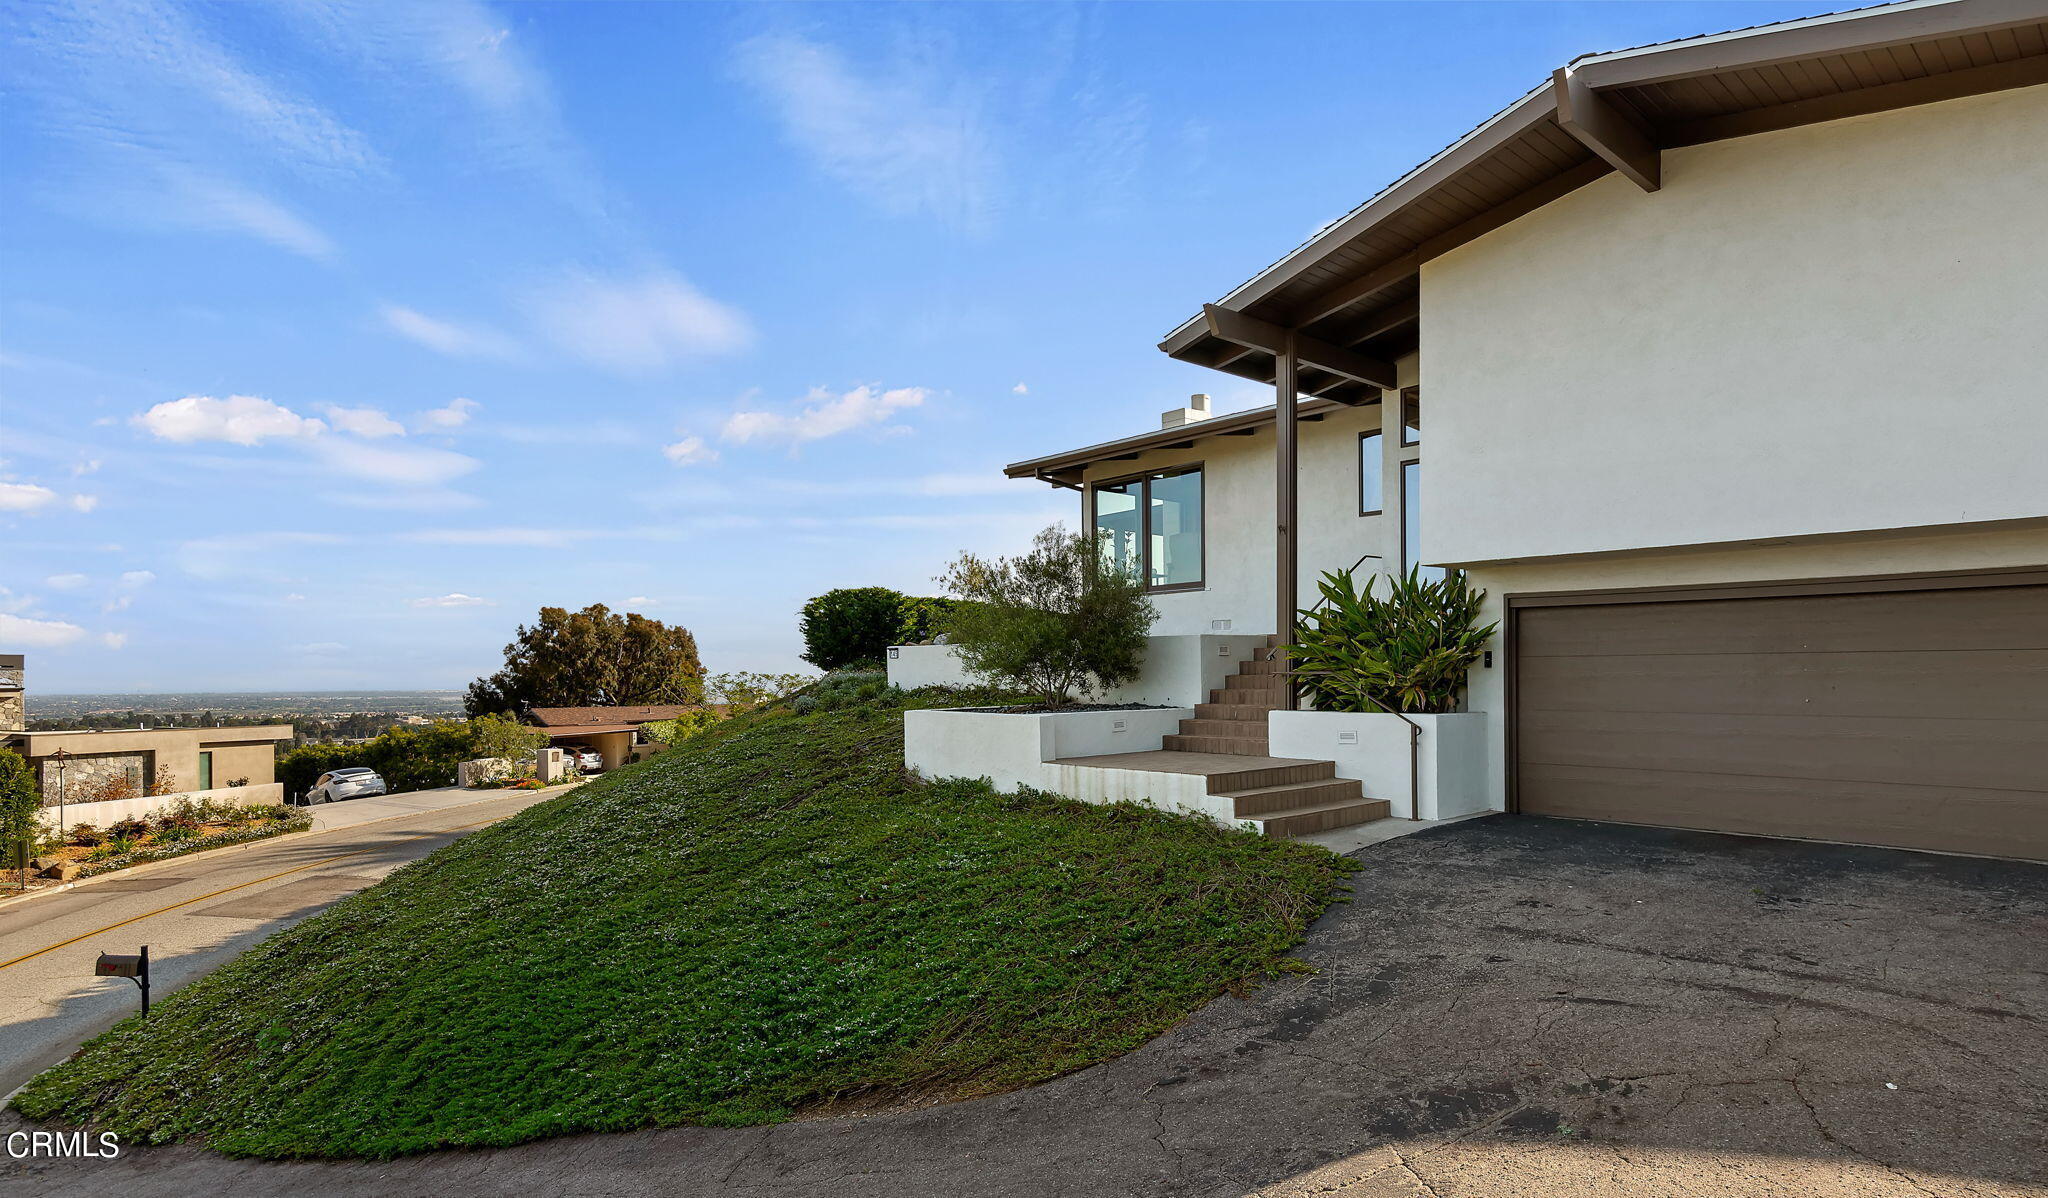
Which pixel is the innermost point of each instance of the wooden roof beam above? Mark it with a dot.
(1250, 331)
(1601, 128)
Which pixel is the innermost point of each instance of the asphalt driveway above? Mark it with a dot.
(1509, 1006)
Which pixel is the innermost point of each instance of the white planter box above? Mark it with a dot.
(1014, 750)
(1450, 757)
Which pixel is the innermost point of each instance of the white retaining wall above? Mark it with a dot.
(114, 810)
(1450, 758)
(1178, 670)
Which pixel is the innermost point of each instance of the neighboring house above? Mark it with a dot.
(1723, 358)
(612, 731)
(109, 764)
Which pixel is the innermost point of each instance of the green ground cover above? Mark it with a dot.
(769, 917)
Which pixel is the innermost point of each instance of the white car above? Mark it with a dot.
(586, 759)
(350, 782)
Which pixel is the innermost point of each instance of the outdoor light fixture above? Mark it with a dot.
(135, 968)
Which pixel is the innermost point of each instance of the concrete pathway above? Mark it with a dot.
(1509, 1007)
(196, 912)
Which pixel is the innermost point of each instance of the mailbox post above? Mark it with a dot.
(135, 968)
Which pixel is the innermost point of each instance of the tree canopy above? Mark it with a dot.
(591, 658)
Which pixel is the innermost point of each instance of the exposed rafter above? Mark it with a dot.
(1250, 331)
(1601, 128)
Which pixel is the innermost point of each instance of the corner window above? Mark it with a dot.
(1152, 527)
(1411, 417)
(1370, 474)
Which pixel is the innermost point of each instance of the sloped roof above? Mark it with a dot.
(577, 717)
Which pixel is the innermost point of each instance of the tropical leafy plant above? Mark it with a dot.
(1408, 652)
(1052, 621)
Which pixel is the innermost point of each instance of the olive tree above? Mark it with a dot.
(1053, 620)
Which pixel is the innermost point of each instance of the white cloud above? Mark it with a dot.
(636, 325)
(137, 578)
(130, 582)
(294, 597)
(321, 648)
(66, 582)
(239, 419)
(86, 467)
(536, 538)
(1020, 389)
(447, 337)
(114, 640)
(399, 465)
(640, 601)
(220, 205)
(453, 415)
(253, 554)
(823, 415)
(37, 634)
(84, 503)
(453, 599)
(363, 422)
(24, 497)
(911, 141)
(690, 451)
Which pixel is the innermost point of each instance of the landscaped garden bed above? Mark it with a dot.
(772, 917)
(182, 827)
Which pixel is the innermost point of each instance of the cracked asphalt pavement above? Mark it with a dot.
(1508, 1006)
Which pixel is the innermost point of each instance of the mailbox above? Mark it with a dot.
(122, 965)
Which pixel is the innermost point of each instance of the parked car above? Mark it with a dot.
(349, 782)
(586, 759)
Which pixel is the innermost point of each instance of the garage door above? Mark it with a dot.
(1910, 713)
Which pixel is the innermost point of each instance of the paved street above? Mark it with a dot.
(1509, 1007)
(198, 911)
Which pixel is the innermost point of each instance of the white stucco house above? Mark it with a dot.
(1717, 364)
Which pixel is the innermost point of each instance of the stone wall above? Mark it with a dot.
(86, 774)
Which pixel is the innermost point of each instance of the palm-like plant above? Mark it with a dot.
(1408, 652)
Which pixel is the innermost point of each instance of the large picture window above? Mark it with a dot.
(1152, 527)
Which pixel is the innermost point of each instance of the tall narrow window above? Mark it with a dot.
(1173, 521)
(1411, 521)
(1411, 417)
(1370, 474)
(1151, 527)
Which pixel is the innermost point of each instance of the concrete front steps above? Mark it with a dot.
(1282, 796)
(1218, 763)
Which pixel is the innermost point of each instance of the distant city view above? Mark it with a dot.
(314, 715)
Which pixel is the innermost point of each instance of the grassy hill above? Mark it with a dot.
(769, 917)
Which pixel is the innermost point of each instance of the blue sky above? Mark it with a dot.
(336, 338)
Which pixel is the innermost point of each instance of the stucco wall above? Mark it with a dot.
(1821, 329)
(102, 815)
(244, 752)
(1925, 552)
(1179, 670)
(1238, 520)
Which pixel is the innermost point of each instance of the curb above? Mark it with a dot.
(215, 854)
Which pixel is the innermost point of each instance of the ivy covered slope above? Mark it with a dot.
(769, 916)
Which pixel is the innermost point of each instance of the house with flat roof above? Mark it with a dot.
(1715, 363)
(612, 731)
(95, 765)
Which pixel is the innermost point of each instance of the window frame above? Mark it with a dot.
(1144, 479)
(1410, 396)
(1381, 509)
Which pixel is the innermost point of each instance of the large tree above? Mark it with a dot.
(591, 658)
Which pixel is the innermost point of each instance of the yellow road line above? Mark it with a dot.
(243, 885)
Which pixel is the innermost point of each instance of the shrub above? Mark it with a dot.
(924, 617)
(1408, 652)
(848, 688)
(120, 846)
(496, 736)
(851, 625)
(675, 731)
(176, 834)
(19, 800)
(1051, 621)
(87, 836)
(744, 690)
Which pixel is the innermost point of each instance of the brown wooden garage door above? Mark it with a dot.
(1910, 713)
